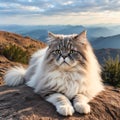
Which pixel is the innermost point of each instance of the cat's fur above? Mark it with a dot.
(65, 70)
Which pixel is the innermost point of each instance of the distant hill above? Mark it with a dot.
(104, 54)
(95, 32)
(25, 43)
(92, 32)
(40, 31)
(107, 42)
(39, 34)
(71, 29)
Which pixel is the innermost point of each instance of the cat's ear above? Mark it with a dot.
(52, 35)
(51, 38)
(82, 37)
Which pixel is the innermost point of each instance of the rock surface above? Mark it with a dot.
(21, 103)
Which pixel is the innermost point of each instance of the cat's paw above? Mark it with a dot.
(82, 108)
(65, 110)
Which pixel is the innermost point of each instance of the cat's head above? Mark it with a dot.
(67, 51)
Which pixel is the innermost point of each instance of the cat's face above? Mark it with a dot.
(67, 51)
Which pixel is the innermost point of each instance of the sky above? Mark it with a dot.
(61, 12)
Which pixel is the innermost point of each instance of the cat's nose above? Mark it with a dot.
(64, 56)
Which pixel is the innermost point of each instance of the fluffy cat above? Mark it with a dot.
(67, 70)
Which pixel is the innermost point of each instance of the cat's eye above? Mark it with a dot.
(72, 51)
(58, 51)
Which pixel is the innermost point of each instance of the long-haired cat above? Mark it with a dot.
(66, 71)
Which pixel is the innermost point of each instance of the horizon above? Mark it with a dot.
(84, 25)
(71, 12)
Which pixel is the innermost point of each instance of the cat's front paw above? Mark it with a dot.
(82, 108)
(65, 110)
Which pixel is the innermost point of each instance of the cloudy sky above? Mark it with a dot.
(47, 12)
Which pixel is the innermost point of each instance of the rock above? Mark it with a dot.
(21, 103)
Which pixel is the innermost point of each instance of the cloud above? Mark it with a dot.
(59, 11)
(55, 7)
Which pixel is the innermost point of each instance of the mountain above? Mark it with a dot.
(92, 32)
(40, 31)
(107, 42)
(95, 32)
(39, 34)
(104, 54)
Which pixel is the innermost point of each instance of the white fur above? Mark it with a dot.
(64, 107)
(64, 81)
(82, 108)
(37, 55)
(37, 60)
(80, 104)
(93, 79)
(18, 75)
(15, 76)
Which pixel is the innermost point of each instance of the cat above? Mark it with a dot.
(66, 70)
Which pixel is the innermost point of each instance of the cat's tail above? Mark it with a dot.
(15, 76)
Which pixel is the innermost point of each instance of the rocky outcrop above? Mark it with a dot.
(21, 103)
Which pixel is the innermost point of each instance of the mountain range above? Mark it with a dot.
(106, 42)
(40, 32)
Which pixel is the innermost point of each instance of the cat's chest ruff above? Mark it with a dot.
(67, 83)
